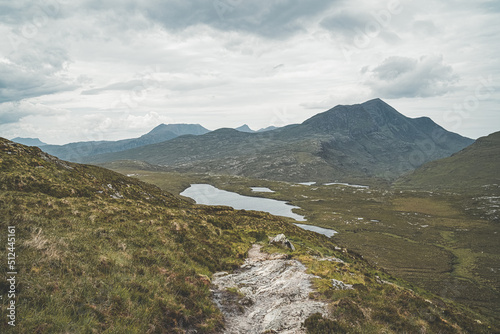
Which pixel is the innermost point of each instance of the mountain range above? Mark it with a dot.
(348, 143)
(246, 128)
(76, 152)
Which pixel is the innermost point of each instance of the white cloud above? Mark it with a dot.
(407, 77)
(12, 112)
(18, 83)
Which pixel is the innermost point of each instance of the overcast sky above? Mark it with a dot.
(93, 70)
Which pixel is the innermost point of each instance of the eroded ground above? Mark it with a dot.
(268, 293)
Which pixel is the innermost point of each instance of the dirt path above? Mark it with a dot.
(268, 293)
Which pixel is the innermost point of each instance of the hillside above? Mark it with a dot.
(101, 252)
(476, 167)
(349, 143)
(77, 152)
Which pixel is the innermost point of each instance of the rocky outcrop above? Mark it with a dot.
(339, 285)
(281, 240)
(269, 293)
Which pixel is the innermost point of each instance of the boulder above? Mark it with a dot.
(280, 239)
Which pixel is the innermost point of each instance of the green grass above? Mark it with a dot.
(475, 169)
(436, 240)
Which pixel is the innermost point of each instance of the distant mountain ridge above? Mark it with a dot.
(78, 152)
(28, 141)
(246, 128)
(368, 140)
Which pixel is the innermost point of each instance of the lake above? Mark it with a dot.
(346, 184)
(261, 190)
(209, 195)
(325, 231)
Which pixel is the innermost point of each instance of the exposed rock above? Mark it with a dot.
(339, 285)
(280, 239)
(269, 293)
(331, 259)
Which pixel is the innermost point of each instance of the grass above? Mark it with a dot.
(102, 253)
(472, 170)
(439, 241)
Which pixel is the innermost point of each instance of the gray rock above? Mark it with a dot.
(339, 285)
(273, 296)
(280, 239)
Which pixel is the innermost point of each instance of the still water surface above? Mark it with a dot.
(209, 195)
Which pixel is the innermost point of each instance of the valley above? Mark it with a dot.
(445, 242)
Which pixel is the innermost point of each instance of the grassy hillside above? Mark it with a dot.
(476, 167)
(447, 243)
(98, 252)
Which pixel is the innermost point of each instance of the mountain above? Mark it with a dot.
(77, 152)
(29, 141)
(269, 128)
(475, 167)
(179, 129)
(245, 128)
(99, 252)
(348, 143)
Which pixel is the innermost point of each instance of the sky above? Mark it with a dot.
(86, 70)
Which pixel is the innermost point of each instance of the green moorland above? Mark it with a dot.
(445, 242)
(98, 252)
(472, 170)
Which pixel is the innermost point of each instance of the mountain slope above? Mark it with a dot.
(76, 152)
(100, 252)
(350, 143)
(475, 167)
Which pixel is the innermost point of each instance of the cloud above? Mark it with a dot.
(491, 6)
(345, 23)
(354, 22)
(425, 28)
(129, 85)
(218, 61)
(18, 82)
(35, 67)
(273, 19)
(399, 77)
(12, 112)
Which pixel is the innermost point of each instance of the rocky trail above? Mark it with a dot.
(269, 293)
